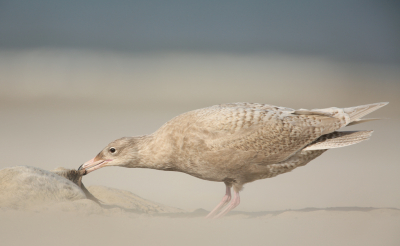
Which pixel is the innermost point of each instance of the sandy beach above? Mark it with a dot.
(49, 125)
(320, 227)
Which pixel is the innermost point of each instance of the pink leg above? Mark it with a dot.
(235, 202)
(225, 200)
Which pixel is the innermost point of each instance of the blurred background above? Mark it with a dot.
(75, 75)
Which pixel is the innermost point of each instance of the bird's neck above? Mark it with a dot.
(152, 153)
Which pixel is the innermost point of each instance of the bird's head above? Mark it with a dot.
(120, 152)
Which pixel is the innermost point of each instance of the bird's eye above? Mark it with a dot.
(112, 149)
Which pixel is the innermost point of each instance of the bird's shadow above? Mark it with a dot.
(249, 215)
(112, 206)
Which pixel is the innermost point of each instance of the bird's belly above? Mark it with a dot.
(221, 166)
(242, 167)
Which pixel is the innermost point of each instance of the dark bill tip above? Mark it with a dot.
(81, 171)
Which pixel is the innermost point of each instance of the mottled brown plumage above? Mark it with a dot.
(237, 143)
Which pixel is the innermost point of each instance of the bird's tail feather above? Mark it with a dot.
(359, 121)
(355, 113)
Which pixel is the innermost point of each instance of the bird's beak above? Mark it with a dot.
(92, 165)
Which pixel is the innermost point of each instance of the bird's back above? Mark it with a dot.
(229, 139)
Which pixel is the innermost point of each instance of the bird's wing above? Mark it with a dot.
(301, 158)
(274, 133)
(339, 139)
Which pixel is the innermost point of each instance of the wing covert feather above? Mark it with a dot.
(273, 133)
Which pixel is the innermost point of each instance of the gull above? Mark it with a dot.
(237, 143)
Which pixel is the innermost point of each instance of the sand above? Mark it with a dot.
(319, 227)
(38, 207)
(60, 108)
(50, 210)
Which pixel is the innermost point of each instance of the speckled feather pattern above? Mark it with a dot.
(238, 143)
